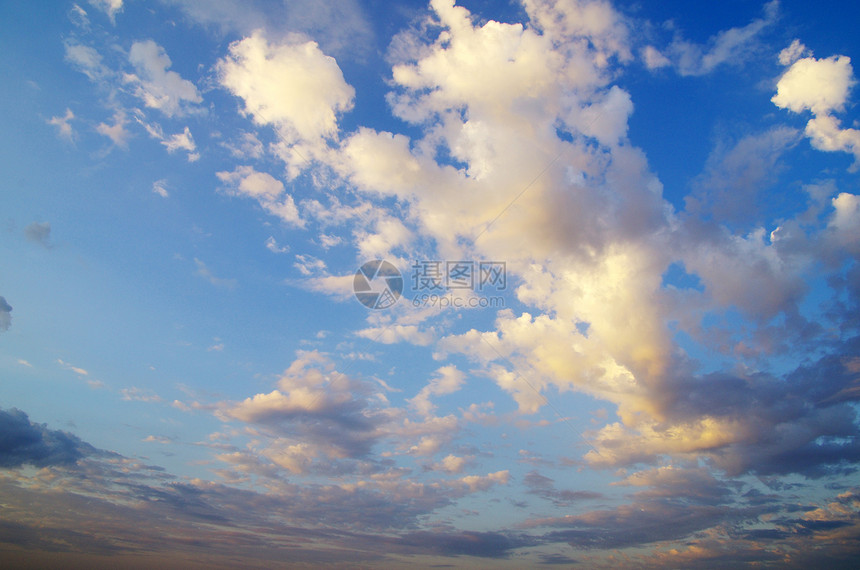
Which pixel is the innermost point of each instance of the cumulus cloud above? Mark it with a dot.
(293, 87)
(315, 411)
(748, 425)
(821, 86)
(159, 88)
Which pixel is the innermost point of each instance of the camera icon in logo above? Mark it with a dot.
(378, 284)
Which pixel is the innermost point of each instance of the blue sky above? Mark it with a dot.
(627, 236)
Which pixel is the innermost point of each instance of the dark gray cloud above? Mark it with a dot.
(481, 544)
(804, 422)
(24, 442)
(544, 487)
(39, 232)
(5, 314)
(639, 524)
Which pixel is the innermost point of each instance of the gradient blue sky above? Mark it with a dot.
(670, 376)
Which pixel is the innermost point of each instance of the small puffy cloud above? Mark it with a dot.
(159, 88)
(793, 52)
(26, 443)
(825, 133)
(160, 187)
(291, 86)
(265, 188)
(39, 232)
(64, 125)
(182, 141)
(447, 380)
(5, 314)
(451, 464)
(817, 85)
(116, 132)
(654, 59)
(272, 245)
(822, 87)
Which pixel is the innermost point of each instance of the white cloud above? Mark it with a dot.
(309, 265)
(394, 333)
(160, 187)
(654, 59)
(825, 133)
(822, 87)
(817, 85)
(451, 464)
(75, 369)
(292, 86)
(116, 132)
(159, 88)
(447, 380)
(266, 189)
(86, 59)
(272, 245)
(64, 125)
(182, 141)
(109, 7)
(793, 52)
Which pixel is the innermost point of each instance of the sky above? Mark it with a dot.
(413, 284)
